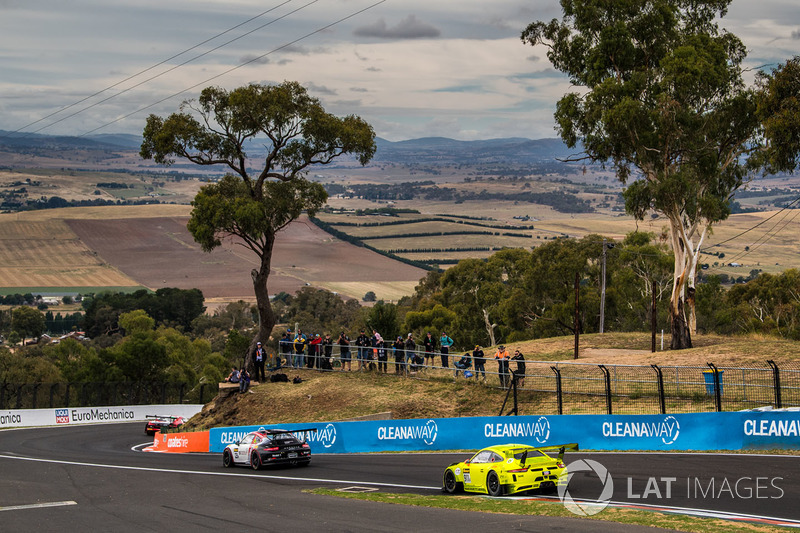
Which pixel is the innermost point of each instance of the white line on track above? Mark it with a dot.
(200, 472)
(38, 505)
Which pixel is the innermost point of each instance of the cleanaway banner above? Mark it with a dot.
(692, 431)
(68, 416)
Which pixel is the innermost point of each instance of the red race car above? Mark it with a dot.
(156, 423)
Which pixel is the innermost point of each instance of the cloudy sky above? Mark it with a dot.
(412, 68)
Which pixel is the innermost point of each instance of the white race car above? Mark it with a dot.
(268, 447)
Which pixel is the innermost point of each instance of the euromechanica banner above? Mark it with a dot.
(67, 416)
(693, 431)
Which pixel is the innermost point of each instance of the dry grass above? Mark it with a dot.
(343, 395)
(388, 291)
(435, 393)
(44, 252)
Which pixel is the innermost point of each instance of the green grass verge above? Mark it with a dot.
(540, 508)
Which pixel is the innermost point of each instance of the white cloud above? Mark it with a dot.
(411, 68)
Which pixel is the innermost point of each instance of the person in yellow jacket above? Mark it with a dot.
(502, 356)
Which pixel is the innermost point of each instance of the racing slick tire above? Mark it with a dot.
(255, 460)
(493, 486)
(227, 459)
(449, 483)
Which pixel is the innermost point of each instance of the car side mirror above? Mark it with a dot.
(238, 442)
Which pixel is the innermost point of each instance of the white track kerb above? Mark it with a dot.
(586, 508)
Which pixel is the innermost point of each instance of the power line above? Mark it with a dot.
(772, 232)
(149, 69)
(784, 208)
(178, 65)
(253, 60)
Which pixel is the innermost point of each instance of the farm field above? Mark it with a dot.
(128, 247)
(150, 246)
(763, 240)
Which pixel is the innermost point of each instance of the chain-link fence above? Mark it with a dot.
(88, 394)
(535, 387)
(565, 387)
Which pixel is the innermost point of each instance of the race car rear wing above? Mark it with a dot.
(304, 431)
(163, 416)
(560, 447)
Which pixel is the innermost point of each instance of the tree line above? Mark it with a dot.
(513, 295)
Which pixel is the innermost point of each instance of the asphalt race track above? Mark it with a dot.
(95, 478)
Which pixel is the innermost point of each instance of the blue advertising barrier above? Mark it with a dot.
(691, 431)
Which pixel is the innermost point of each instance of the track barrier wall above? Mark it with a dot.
(691, 431)
(195, 441)
(69, 416)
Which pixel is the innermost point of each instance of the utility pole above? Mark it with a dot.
(653, 318)
(576, 322)
(603, 289)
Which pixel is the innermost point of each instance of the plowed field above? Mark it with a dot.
(160, 252)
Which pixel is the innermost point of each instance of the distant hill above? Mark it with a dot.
(441, 150)
(434, 151)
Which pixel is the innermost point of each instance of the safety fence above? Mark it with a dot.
(565, 387)
(91, 394)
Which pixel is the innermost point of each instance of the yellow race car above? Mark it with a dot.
(509, 469)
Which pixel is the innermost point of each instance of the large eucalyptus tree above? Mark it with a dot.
(254, 204)
(659, 94)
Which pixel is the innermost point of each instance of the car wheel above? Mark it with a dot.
(450, 485)
(493, 486)
(255, 460)
(227, 459)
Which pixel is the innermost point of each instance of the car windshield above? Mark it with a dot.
(486, 456)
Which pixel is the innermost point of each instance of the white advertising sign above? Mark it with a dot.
(68, 416)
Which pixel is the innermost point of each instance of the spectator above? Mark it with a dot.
(399, 348)
(299, 350)
(445, 343)
(313, 351)
(259, 360)
(244, 380)
(411, 353)
(327, 347)
(376, 342)
(344, 351)
(233, 377)
(480, 360)
(382, 357)
(463, 364)
(519, 373)
(502, 356)
(430, 346)
(363, 342)
(284, 349)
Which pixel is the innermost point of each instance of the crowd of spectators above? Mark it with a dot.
(373, 353)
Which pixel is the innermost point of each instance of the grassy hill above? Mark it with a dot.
(344, 395)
